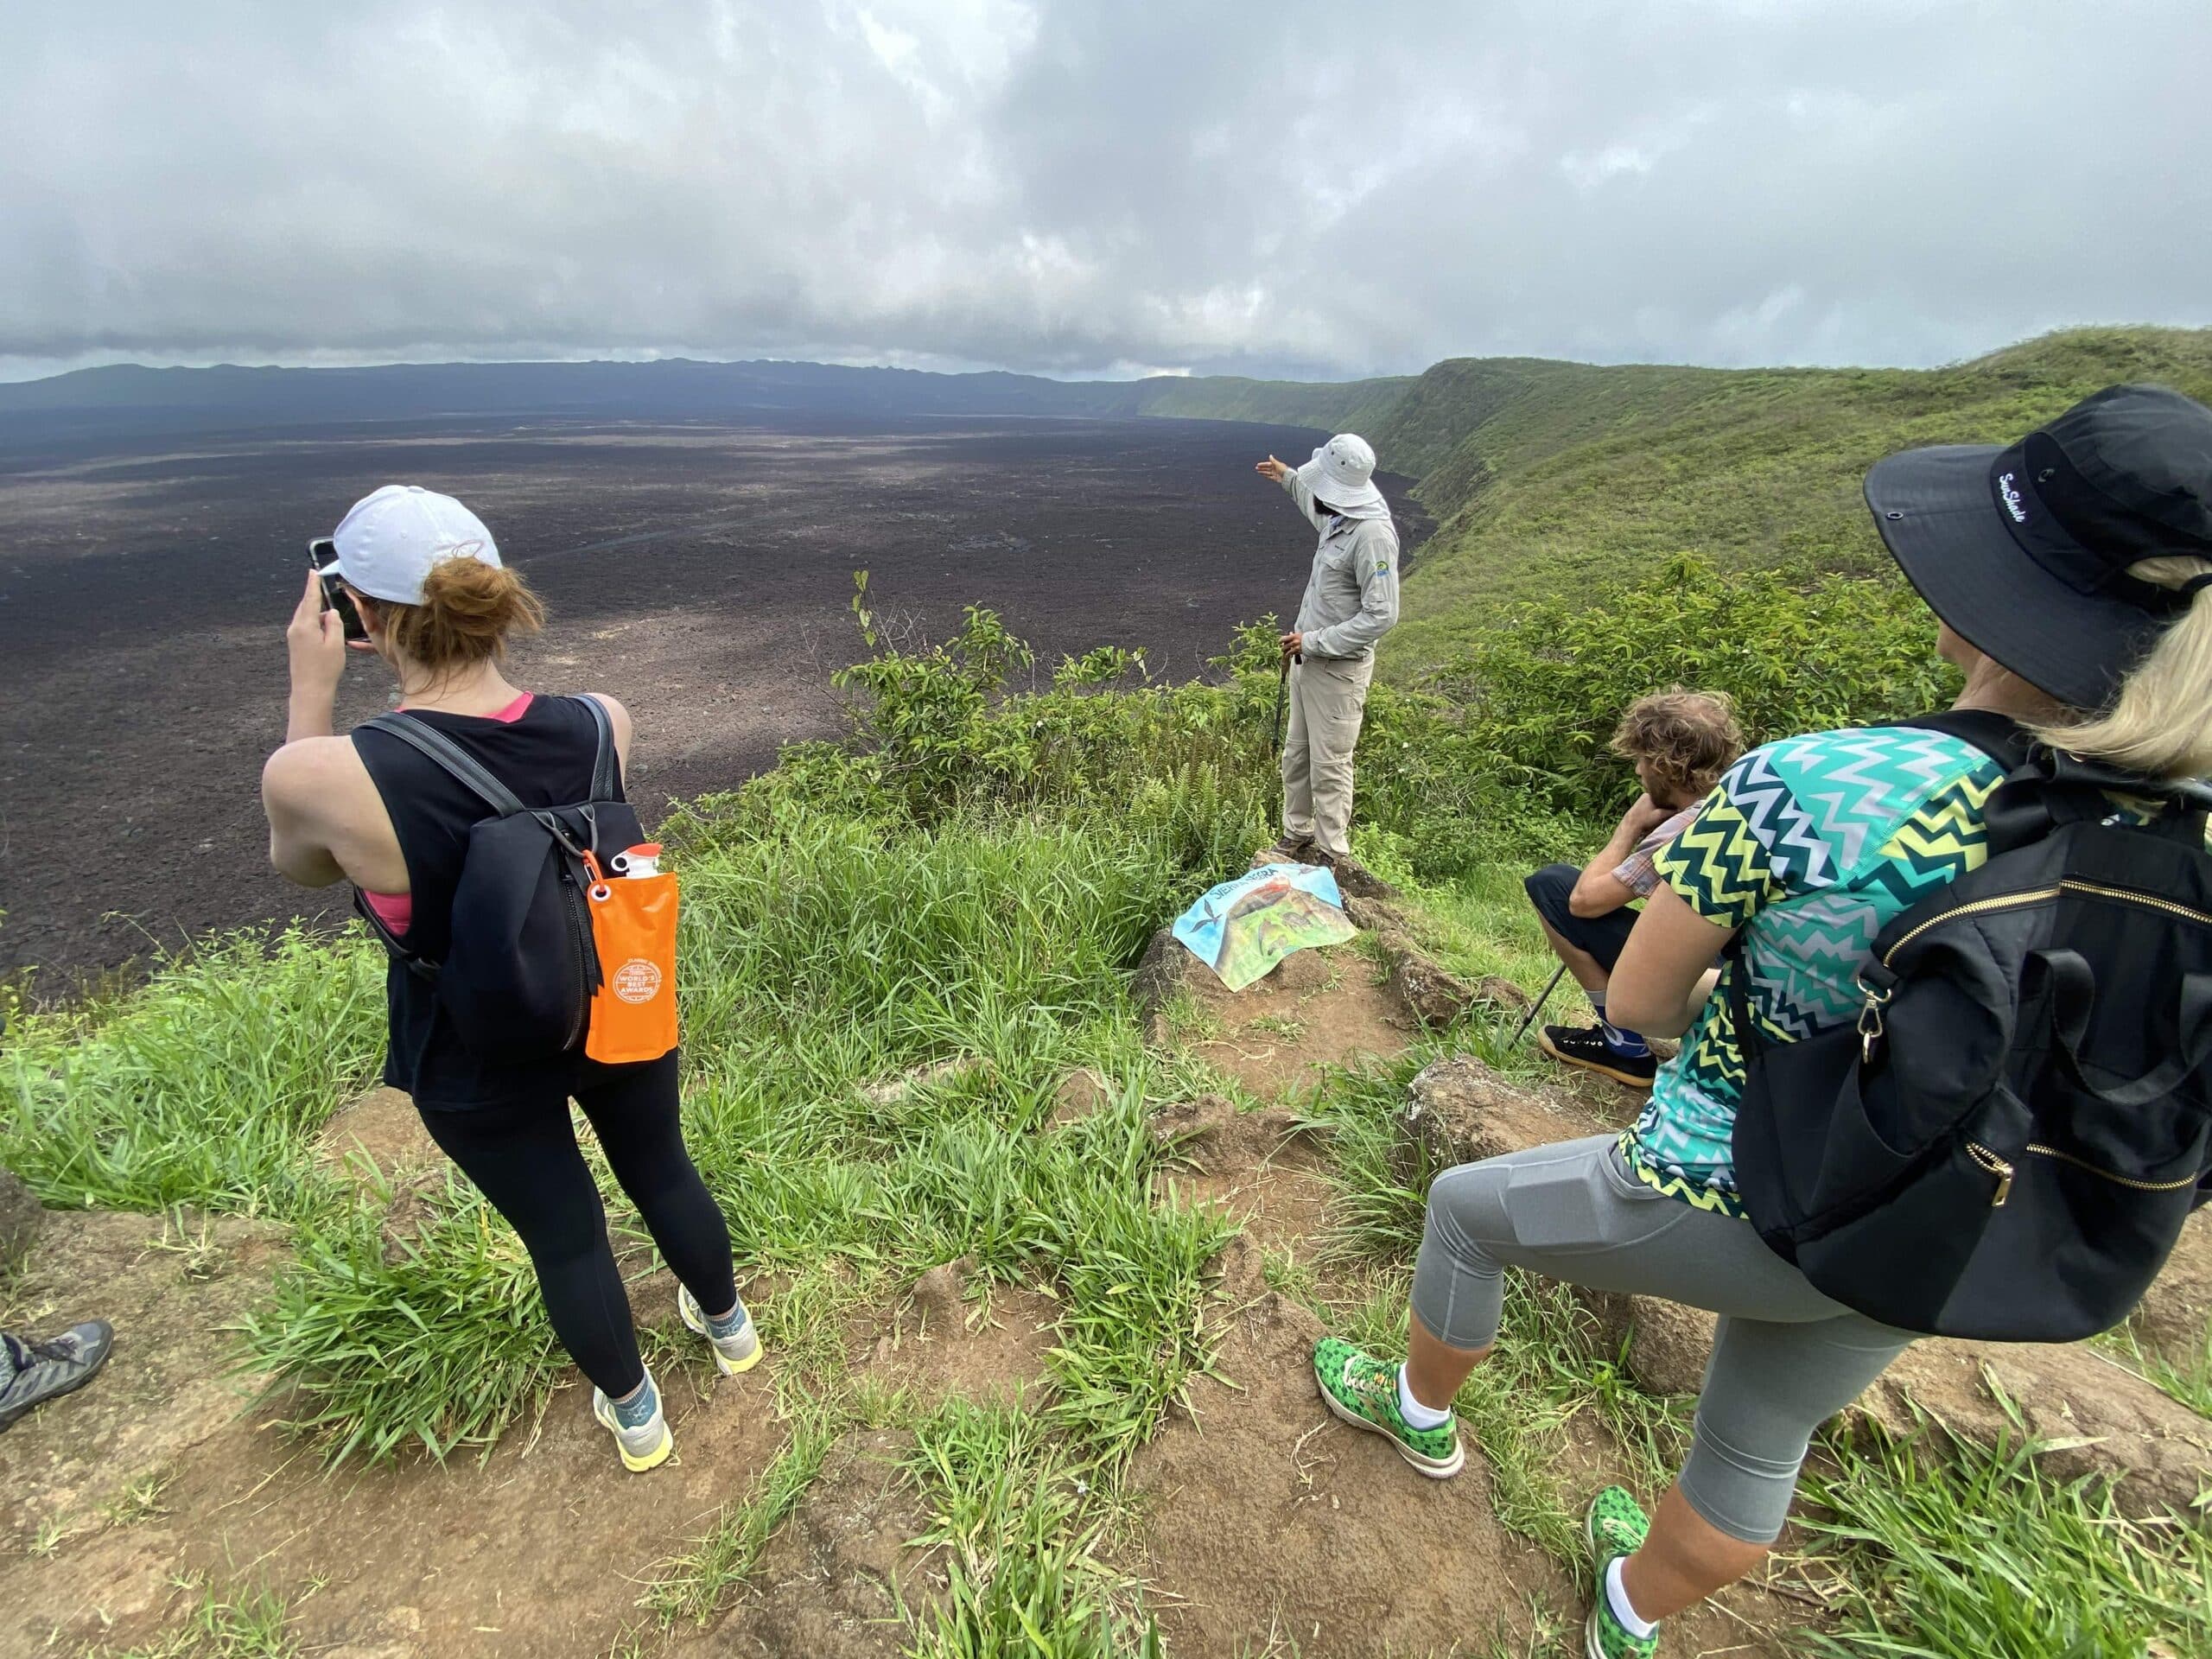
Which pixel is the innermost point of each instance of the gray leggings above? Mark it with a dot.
(1785, 1358)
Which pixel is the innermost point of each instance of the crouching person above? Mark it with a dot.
(1680, 743)
(2074, 592)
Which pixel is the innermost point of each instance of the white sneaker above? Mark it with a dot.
(738, 1351)
(644, 1447)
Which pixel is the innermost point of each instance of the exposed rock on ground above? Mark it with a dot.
(1259, 1165)
(1460, 1111)
(1081, 1094)
(2175, 1316)
(384, 1128)
(377, 1144)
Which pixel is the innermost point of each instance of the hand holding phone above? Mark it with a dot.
(322, 553)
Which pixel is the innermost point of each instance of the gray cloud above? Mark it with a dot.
(1077, 188)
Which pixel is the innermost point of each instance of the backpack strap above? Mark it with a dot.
(2045, 787)
(1999, 736)
(456, 760)
(467, 770)
(605, 763)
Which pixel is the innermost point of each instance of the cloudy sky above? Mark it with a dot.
(1084, 186)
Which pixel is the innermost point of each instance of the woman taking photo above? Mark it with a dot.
(438, 607)
(2069, 577)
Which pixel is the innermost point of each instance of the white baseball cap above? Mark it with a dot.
(1342, 473)
(388, 541)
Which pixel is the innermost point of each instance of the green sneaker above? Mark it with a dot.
(1364, 1392)
(1616, 1526)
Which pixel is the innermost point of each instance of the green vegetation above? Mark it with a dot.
(203, 1088)
(897, 946)
(1544, 477)
(236, 1621)
(1985, 1555)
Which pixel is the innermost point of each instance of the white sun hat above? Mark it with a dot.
(388, 539)
(1341, 475)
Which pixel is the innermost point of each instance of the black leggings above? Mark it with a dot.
(523, 1157)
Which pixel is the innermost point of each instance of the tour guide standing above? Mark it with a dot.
(1351, 601)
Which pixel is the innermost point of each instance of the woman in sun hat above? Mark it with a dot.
(1350, 601)
(439, 608)
(2068, 574)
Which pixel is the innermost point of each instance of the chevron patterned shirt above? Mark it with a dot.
(1809, 845)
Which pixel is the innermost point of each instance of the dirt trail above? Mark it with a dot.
(536, 1549)
(1265, 1526)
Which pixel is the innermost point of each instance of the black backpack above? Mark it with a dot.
(518, 975)
(2007, 1144)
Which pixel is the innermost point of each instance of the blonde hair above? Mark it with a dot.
(468, 609)
(1689, 737)
(2160, 723)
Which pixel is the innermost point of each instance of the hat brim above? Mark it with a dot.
(1942, 523)
(1332, 491)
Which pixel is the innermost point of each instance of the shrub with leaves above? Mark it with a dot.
(1543, 690)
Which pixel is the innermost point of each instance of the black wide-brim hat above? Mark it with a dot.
(2024, 551)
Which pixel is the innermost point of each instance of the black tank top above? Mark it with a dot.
(545, 757)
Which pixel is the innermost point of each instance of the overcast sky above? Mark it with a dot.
(1084, 186)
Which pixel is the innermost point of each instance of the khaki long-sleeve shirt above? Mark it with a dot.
(1351, 597)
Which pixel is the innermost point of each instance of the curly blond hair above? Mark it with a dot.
(1689, 737)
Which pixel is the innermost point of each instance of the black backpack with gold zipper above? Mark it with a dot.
(2006, 1145)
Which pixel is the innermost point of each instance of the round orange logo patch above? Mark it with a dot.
(637, 981)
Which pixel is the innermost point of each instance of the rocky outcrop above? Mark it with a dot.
(1460, 1111)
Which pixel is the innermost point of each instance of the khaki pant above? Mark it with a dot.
(1328, 699)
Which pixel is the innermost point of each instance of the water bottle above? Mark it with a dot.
(641, 859)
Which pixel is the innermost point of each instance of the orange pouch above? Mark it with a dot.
(633, 1010)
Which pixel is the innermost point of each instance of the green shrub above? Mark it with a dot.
(1543, 690)
(201, 1087)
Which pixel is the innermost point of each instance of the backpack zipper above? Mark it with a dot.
(1870, 1016)
(2140, 1186)
(2127, 896)
(1979, 907)
(2016, 900)
(1996, 1166)
(577, 927)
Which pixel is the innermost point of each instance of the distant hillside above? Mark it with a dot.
(127, 398)
(1540, 475)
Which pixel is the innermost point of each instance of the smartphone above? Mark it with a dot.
(322, 553)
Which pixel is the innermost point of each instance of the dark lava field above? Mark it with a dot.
(700, 571)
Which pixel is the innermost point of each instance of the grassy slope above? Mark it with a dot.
(1542, 475)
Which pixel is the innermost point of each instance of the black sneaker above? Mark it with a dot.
(42, 1369)
(1291, 850)
(1585, 1047)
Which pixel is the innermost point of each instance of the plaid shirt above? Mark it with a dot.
(1639, 872)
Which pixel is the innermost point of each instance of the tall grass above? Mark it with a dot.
(876, 1022)
(204, 1086)
(434, 1339)
(1021, 1530)
(1983, 1556)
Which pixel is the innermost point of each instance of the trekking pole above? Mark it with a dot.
(1539, 1008)
(1282, 685)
